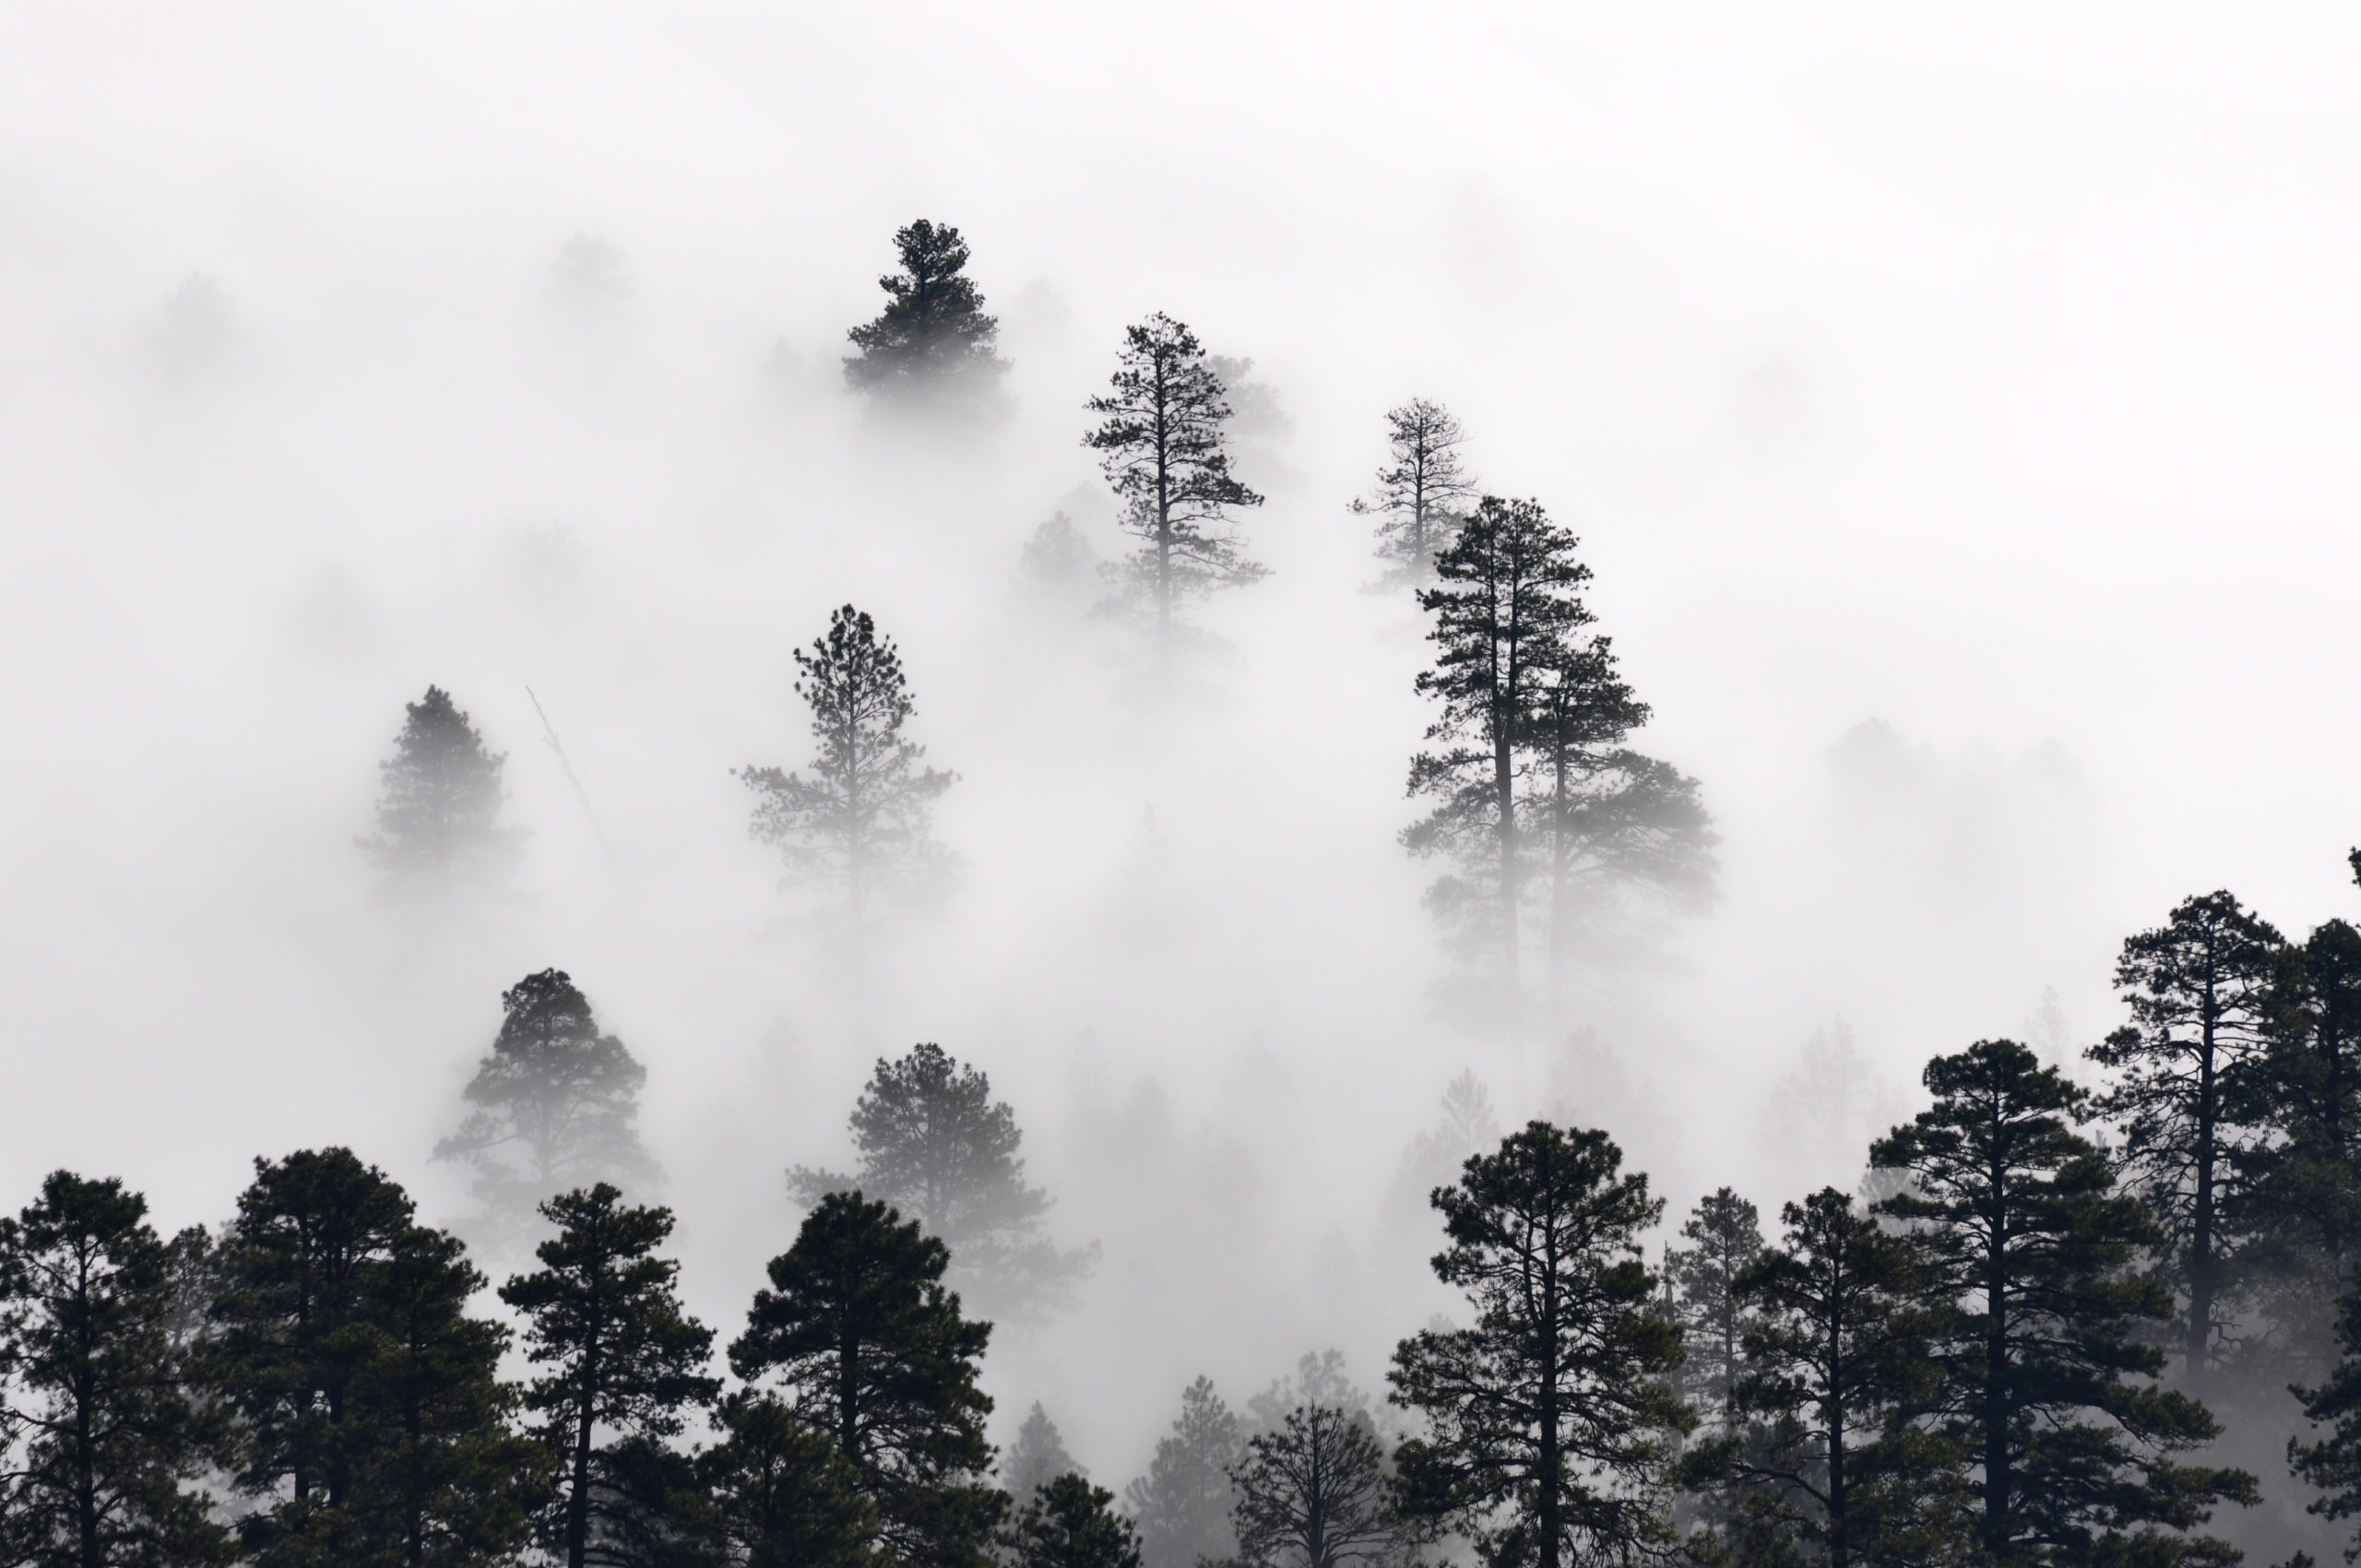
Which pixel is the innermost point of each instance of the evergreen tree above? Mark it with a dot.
(438, 811)
(649, 1508)
(860, 820)
(1036, 1458)
(870, 1348)
(1725, 1241)
(556, 1105)
(1310, 1492)
(2023, 1251)
(2333, 1462)
(1547, 1419)
(2305, 1182)
(786, 1497)
(106, 1440)
(933, 344)
(934, 1144)
(2190, 1094)
(1164, 451)
(1071, 1524)
(1422, 493)
(1466, 1126)
(1507, 608)
(1182, 1504)
(621, 1357)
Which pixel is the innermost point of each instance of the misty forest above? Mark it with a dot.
(1059, 842)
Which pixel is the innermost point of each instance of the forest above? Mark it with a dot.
(2047, 1321)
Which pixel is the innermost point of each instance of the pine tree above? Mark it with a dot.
(1725, 1241)
(860, 820)
(870, 1348)
(2190, 1095)
(1507, 609)
(1036, 1458)
(1311, 1492)
(1422, 493)
(556, 1106)
(2023, 1251)
(1548, 1420)
(1164, 451)
(933, 345)
(1467, 1126)
(107, 1439)
(1183, 1503)
(2333, 1462)
(622, 1359)
(2304, 1191)
(934, 1144)
(438, 836)
(1071, 1524)
(786, 1498)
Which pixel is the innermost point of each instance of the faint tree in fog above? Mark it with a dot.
(933, 345)
(1164, 451)
(870, 1348)
(621, 1361)
(1057, 562)
(1508, 606)
(1832, 1100)
(1318, 1379)
(1724, 1240)
(438, 836)
(197, 335)
(2040, 1332)
(555, 1106)
(1422, 493)
(934, 1143)
(1311, 1492)
(785, 1496)
(1466, 1126)
(1182, 1503)
(589, 271)
(1548, 1420)
(859, 820)
(1071, 1524)
(2189, 1094)
(2306, 1191)
(104, 1440)
(1038, 1456)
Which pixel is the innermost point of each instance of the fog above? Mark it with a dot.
(1956, 412)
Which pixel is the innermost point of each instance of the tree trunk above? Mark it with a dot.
(577, 1506)
(1997, 1482)
(1550, 1505)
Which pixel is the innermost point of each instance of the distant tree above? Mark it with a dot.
(1725, 1241)
(105, 1440)
(1071, 1524)
(589, 271)
(2190, 1096)
(868, 1347)
(621, 1358)
(1466, 1126)
(1163, 450)
(1036, 1458)
(934, 1144)
(860, 820)
(1311, 1492)
(2023, 1251)
(1423, 492)
(1548, 1420)
(555, 1106)
(438, 836)
(2302, 1197)
(1057, 562)
(786, 1497)
(934, 343)
(1182, 1504)
(1507, 609)
(1319, 1379)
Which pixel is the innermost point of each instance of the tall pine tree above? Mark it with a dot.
(1422, 493)
(439, 838)
(1183, 1503)
(933, 344)
(786, 1496)
(1724, 1240)
(2304, 1183)
(1311, 1492)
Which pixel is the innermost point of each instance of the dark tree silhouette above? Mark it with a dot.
(1182, 1503)
(933, 345)
(1036, 1458)
(620, 1356)
(786, 1497)
(1423, 492)
(1311, 1492)
(106, 1440)
(2303, 1191)
(870, 1348)
(934, 1144)
(1071, 1524)
(1547, 1419)
(1162, 447)
(439, 838)
(859, 819)
(2190, 1096)
(2023, 1251)
(555, 1106)
(2331, 1462)
(1725, 1241)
